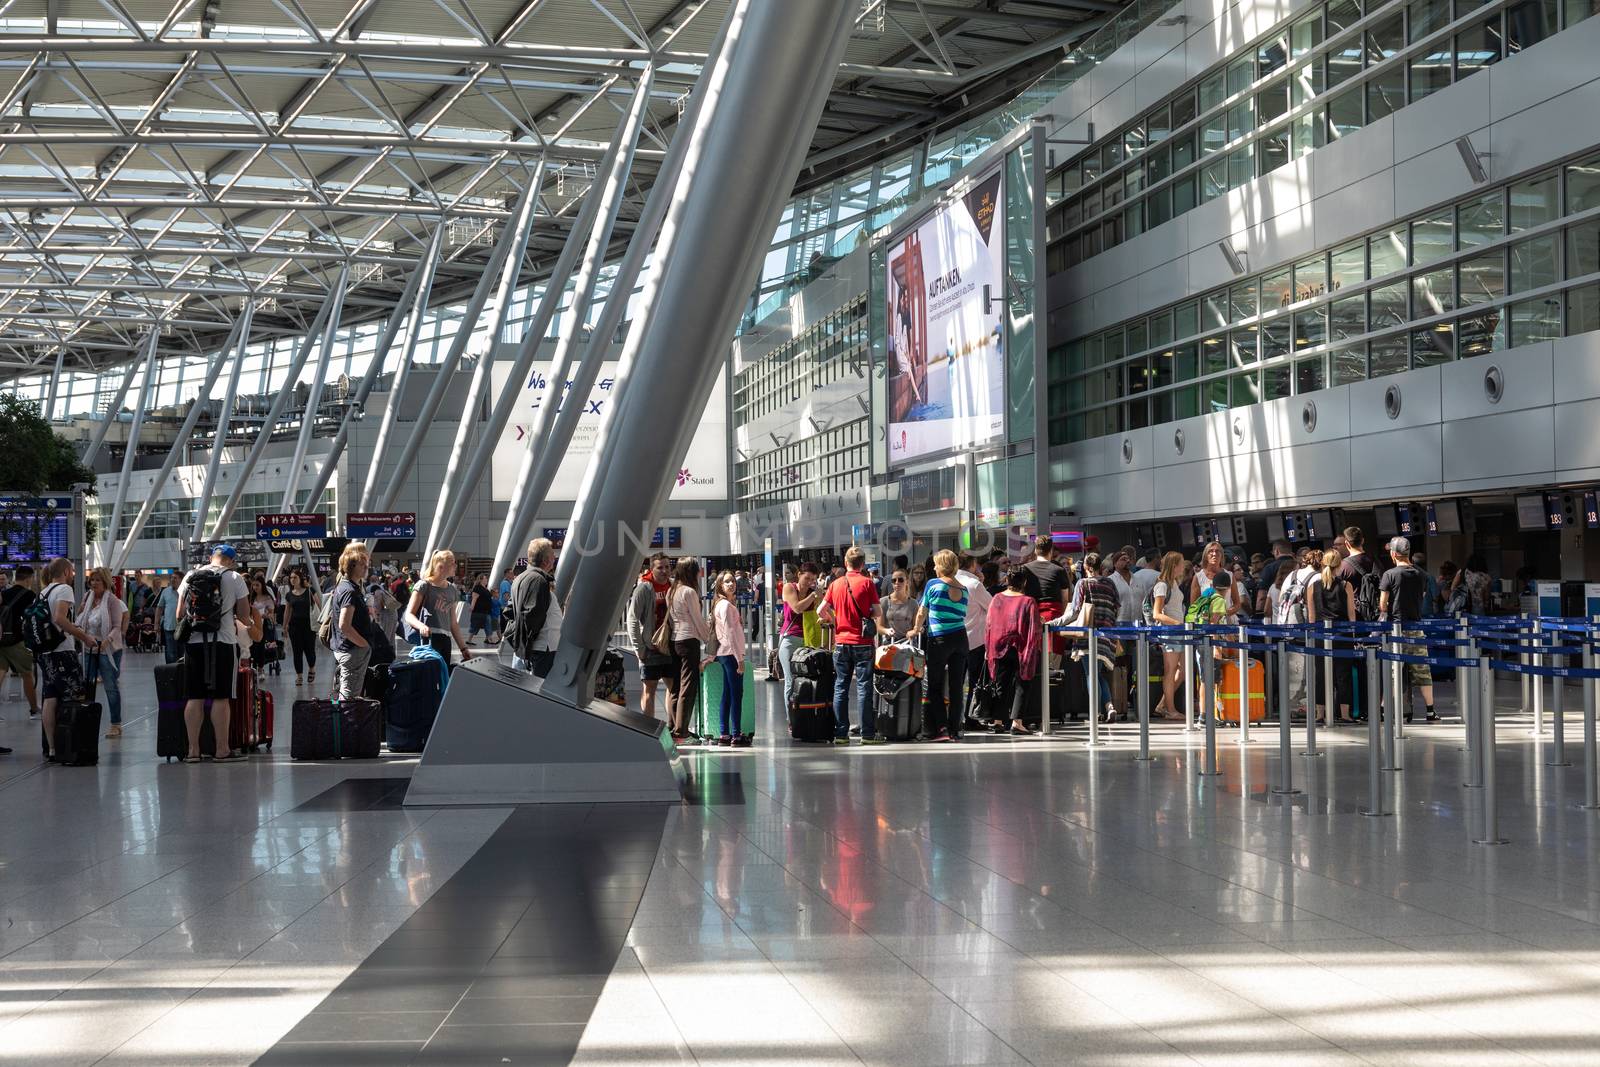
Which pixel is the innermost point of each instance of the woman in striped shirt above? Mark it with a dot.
(943, 617)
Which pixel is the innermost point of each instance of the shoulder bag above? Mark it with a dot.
(661, 640)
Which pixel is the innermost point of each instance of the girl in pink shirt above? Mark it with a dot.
(730, 653)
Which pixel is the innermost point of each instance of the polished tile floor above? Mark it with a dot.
(998, 901)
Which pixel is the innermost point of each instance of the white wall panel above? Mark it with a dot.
(1493, 448)
(1395, 461)
(1576, 367)
(1419, 401)
(1526, 376)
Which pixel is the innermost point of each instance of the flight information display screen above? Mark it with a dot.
(32, 536)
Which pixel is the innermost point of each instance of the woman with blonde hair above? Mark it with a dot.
(431, 611)
(730, 653)
(942, 615)
(105, 618)
(1166, 609)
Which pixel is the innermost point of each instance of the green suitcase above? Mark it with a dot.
(708, 708)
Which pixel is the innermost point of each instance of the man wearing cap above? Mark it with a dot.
(211, 651)
(1402, 598)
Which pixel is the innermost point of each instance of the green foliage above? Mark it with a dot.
(37, 459)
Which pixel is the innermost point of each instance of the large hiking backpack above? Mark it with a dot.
(39, 630)
(1292, 605)
(1205, 608)
(203, 601)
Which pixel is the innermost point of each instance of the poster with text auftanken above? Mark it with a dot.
(946, 366)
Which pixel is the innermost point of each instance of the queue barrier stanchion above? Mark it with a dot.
(1527, 681)
(1591, 771)
(1093, 666)
(1536, 659)
(1374, 745)
(1188, 660)
(1400, 699)
(1328, 692)
(1470, 717)
(1141, 666)
(1558, 714)
(1244, 689)
(1491, 814)
(1044, 684)
(1391, 715)
(1208, 692)
(1285, 724)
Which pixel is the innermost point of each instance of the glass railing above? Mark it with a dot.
(966, 143)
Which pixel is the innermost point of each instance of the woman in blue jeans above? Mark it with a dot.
(729, 628)
(105, 618)
(943, 617)
(799, 596)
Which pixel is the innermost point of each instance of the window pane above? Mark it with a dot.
(1386, 252)
(1216, 395)
(1348, 317)
(1185, 363)
(1389, 305)
(1276, 382)
(1161, 368)
(1310, 374)
(1183, 109)
(1305, 35)
(1308, 132)
(1161, 408)
(1241, 166)
(1427, 16)
(1434, 293)
(1273, 150)
(1478, 47)
(1483, 277)
(1481, 334)
(1186, 402)
(1158, 207)
(1583, 249)
(1349, 364)
(1183, 150)
(1385, 40)
(1481, 220)
(1272, 102)
(1240, 75)
(1277, 289)
(1583, 309)
(1186, 319)
(1245, 300)
(1161, 328)
(1344, 113)
(1389, 355)
(1348, 265)
(1533, 263)
(1213, 354)
(1214, 309)
(1529, 23)
(1433, 237)
(1310, 328)
(1535, 320)
(1386, 94)
(1430, 72)
(1578, 10)
(1160, 162)
(1270, 57)
(1246, 388)
(1310, 278)
(1275, 338)
(1583, 185)
(1183, 195)
(1242, 346)
(1213, 91)
(1533, 202)
(1433, 345)
(1138, 339)
(1214, 179)
(1305, 82)
(1342, 14)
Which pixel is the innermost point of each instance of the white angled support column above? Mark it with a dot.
(515, 236)
(55, 384)
(224, 419)
(453, 490)
(416, 308)
(308, 420)
(542, 446)
(145, 389)
(213, 372)
(274, 413)
(98, 438)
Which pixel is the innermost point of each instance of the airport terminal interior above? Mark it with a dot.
(928, 532)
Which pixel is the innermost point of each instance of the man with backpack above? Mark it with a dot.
(14, 655)
(55, 640)
(211, 599)
(1363, 575)
(1292, 611)
(534, 614)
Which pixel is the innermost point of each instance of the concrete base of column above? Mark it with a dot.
(499, 739)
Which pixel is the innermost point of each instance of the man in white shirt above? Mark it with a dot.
(60, 668)
(978, 599)
(211, 600)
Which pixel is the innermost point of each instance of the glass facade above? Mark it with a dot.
(1507, 266)
(1333, 70)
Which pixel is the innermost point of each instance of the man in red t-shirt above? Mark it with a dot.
(848, 601)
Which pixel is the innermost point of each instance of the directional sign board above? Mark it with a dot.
(280, 527)
(317, 546)
(390, 525)
(248, 552)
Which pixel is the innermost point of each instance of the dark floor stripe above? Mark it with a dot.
(505, 962)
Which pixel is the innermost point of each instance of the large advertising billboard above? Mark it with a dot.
(946, 367)
(703, 475)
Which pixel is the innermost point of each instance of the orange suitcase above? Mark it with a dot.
(1228, 691)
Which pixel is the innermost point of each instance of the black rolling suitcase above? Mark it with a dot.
(811, 710)
(899, 713)
(415, 691)
(77, 733)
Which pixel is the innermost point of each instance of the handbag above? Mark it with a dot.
(661, 640)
